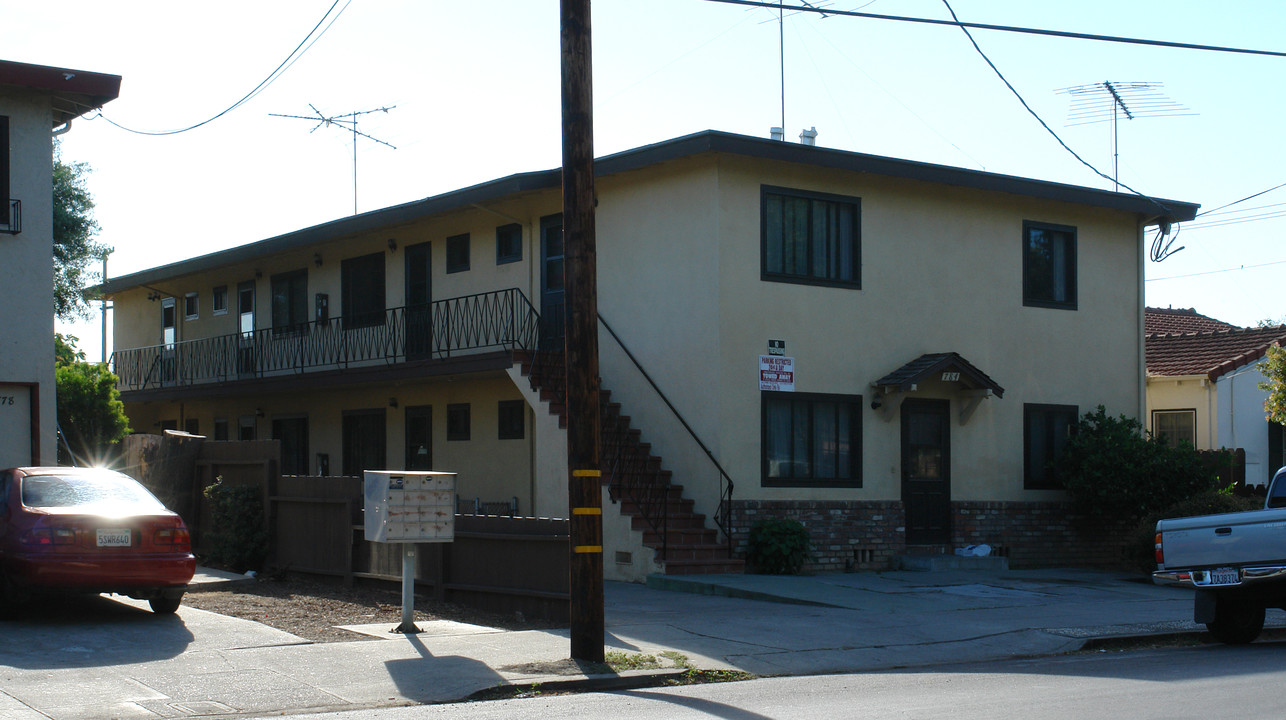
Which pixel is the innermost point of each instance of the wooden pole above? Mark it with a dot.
(584, 489)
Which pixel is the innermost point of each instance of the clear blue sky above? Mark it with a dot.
(475, 90)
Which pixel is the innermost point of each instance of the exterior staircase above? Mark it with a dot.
(637, 482)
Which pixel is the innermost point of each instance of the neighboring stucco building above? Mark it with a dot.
(1203, 387)
(888, 351)
(36, 102)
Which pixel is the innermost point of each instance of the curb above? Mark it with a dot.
(632, 680)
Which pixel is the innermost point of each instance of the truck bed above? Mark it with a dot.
(1256, 537)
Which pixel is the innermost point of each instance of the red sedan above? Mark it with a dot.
(89, 530)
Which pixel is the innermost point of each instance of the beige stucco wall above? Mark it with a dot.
(27, 323)
(1187, 392)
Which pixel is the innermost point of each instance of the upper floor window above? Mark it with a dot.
(1175, 426)
(811, 440)
(289, 302)
(1046, 429)
(458, 253)
(362, 279)
(811, 237)
(508, 243)
(1049, 265)
(191, 307)
(4, 171)
(219, 300)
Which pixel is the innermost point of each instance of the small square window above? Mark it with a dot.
(191, 306)
(458, 421)
(513, 415)
(1174, 427)
(219, 300)
(458, 253)
(508, 243)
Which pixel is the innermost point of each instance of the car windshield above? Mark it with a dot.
(98, 491)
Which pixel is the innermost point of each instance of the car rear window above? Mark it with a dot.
(89, 491)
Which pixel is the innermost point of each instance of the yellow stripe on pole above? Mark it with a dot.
(587, 511)
(587, 473)
(587, 549)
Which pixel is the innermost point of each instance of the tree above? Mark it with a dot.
(1274, 368)
(74, 246)
(90, 413)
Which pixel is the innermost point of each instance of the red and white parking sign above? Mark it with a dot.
(777, 373)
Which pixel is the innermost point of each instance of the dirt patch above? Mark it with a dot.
(313, 609)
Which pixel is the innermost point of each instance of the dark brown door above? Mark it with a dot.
(926, 471)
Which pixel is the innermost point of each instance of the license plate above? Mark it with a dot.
(1221, 576)
(113, 537)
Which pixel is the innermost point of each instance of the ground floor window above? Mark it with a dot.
(363, 441)
(1175, 426)
(458, 423)
(292, 433)
(811, 440)
(512, 419)
(1045, 432)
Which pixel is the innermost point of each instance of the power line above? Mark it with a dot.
(1214, 272)
(272, 76)
(1236, 202)
(1012, 29)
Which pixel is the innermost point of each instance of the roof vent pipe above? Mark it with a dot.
(808, 137)
(777, 133)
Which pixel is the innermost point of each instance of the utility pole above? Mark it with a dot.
(584, 488)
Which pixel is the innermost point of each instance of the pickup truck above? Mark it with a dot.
(1235, 561)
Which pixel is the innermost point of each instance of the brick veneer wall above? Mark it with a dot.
(870, 535)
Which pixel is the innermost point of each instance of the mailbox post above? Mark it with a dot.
(409, 507)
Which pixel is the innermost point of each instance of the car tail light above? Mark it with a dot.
(175, 537)
(49, 536)
(1160, 552)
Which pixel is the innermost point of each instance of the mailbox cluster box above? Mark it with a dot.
(410, 507)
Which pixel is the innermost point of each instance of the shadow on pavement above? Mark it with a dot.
(88, 632)
(425, 679)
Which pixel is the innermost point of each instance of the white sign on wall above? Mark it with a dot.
(777, 373)
(410, 506)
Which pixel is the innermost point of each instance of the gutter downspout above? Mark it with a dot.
(1140, 327)
(63, 129)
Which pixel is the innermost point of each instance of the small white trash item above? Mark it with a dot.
(974, 550)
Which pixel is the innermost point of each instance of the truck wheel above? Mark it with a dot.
(1238, 620)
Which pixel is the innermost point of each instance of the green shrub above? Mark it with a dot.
(778, 547)
(1114, 472)
(238, 539)
(1140, 549)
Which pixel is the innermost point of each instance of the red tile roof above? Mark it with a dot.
(1212, 354)
(1179, 320)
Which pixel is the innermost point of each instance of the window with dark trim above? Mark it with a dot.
(246, 427)
(191, 306)
(811, 440)
(512, 419)
(1046, 429)
(192, 426)
(289, 302)
(219, 300)
(458, 421)
(810, 238)
(1049, 265)
(221, 429)
(362, 280)
(508, 243)
(457, 253)
(363, 441)
(1175, 426)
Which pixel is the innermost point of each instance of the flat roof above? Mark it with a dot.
(75, 92)
(1151, 210)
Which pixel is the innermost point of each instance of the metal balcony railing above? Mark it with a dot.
(502, 319)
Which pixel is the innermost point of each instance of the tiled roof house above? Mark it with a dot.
(1203, 386)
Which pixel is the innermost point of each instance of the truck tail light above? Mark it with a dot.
(1160, 552)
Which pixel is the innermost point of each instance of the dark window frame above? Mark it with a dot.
(854, 405)
(290, 317)
(459, 422)
(1043, 478)
(219, 300)
(457, 253)
(1046, 297)
(1189, 412)
(831, 276)
(508, 243)
(511, 420)
(191, 306)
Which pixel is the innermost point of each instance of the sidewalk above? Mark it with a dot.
(141, 666)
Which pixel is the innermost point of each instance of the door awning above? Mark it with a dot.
(950, 368)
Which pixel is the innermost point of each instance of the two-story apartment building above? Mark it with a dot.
(889, 351)
(36, 103)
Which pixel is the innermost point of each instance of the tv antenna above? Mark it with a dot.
(1109, 100)
(347, 121)
(781, 45)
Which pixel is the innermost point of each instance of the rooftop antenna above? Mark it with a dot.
(781, 46)
(1109, 100)
(349, 121)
